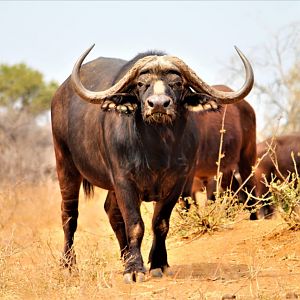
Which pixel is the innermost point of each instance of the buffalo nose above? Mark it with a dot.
(157, 101)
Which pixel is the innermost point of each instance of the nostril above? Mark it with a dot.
(150, 103)
(167, 103)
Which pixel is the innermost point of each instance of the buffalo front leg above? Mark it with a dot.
(160, 226)
(129, 206)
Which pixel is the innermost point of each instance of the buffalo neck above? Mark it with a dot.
(161, 143)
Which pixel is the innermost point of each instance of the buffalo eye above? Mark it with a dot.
(141, 85)
(177, 84)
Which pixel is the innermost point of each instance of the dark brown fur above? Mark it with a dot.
(136, 158)
(239, 146)
(283, 146)
(132, 159)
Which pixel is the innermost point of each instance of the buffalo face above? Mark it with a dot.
(159, 94)
(161, 86)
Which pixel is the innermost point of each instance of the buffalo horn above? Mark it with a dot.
(223, 97)
(98, 97)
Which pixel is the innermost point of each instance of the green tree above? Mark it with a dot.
(24, 89)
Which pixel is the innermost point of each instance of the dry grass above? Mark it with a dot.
(249, 260)
(31, 243)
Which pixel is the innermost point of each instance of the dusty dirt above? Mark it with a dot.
(249, 260)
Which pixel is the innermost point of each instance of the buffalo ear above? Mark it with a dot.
(200, 102)
(122, 103)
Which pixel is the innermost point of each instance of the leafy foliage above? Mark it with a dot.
(23, 88)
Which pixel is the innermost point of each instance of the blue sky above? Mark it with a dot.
(49, 36)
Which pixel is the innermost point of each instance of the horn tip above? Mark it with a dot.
(240, 53)
(87, 51)
(237, 48)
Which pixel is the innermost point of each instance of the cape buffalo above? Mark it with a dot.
(136, 135)
(238, 147)
(280, 149)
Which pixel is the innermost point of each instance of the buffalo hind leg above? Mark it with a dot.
(230, 182)
(116, 221)
(69, 210)
(188, 195)
(69, 182)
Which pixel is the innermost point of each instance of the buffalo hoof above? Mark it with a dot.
(156, 273)
(133, 277)
(140, 277)
(72, 272)
(68, 260)
(228, 296)
(253, 216)
(167, 271)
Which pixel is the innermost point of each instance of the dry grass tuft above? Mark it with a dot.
(286, 197)
(213, 216)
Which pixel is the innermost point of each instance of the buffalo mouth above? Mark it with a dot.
(159, 118)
